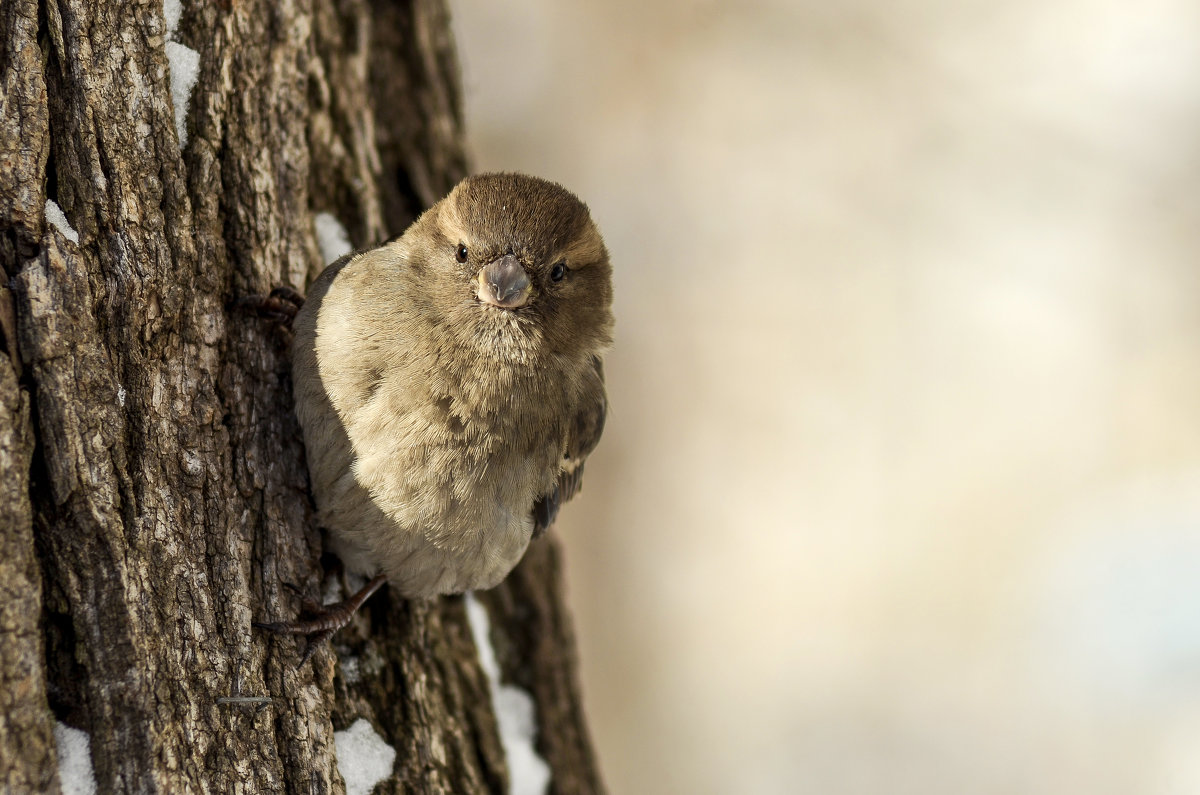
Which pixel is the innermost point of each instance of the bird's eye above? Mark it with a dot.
(558, 272)
(460, 253)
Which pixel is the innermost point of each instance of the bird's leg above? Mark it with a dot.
(326, 617)
(281, 305)
(323, 620)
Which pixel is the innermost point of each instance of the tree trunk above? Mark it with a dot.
(153, 490)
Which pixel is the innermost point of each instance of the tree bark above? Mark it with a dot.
(153, 490)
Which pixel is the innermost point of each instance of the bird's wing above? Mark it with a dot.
(583, 435)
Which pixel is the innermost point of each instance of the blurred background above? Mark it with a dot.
(900, 491)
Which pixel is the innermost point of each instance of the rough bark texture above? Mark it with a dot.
(153, 492)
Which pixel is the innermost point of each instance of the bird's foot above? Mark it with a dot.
(322, 620)
(280, 306)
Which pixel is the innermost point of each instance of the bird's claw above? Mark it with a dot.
(279, 306)
(323, 620)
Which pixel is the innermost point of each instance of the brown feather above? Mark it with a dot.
(582, 437)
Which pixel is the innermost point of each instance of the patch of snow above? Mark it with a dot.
(331, 591)
(366, 665)
(121, 395)
(56, 216)
(331, 237)
(363, 758)
(351, 670)
(74, 760)
(185, 70)
(172, 11)
(515, 715)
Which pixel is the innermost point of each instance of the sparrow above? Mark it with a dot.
(450, 387)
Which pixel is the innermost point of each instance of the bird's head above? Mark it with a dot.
(516, 265)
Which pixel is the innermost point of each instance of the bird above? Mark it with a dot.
(449, 385)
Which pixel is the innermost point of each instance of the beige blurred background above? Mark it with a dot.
(900, 491)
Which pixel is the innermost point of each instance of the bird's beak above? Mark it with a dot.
(504, 283)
